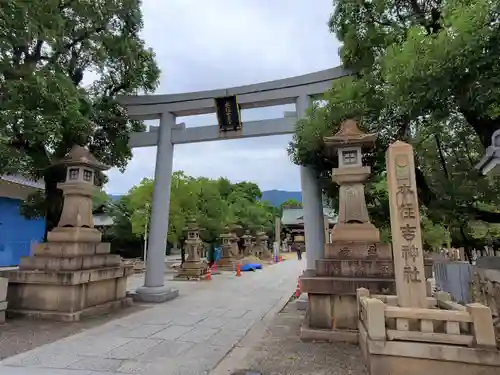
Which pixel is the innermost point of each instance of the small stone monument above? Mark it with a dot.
(355, 257)
(193, 267)
(405, 227)
(411, 333)
(73, 273)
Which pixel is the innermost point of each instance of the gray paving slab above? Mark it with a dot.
(188, 335)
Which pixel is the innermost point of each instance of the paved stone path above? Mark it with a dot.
(186, 336)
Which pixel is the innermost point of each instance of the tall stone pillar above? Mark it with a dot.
(154, 289)
(312, 204)
(405, 226)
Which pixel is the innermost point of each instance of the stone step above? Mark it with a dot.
(48, 263)
(355, 268)
(357, 249)
(346, 285)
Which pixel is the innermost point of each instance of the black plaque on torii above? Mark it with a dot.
(228, 113)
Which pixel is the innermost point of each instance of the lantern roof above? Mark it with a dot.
(192, 226)
(81, 156)
(247, 234)
(350, 135)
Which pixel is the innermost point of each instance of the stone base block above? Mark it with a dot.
(357, 250)
(48, 263)
(227, 264)
(366, 232)
(345, 285)
(184, 277)
(353, 268)
(415, 358)
(65, 295)
(69, 249)
(154, 294)
(332, 312)
(3, 308)
(74, 235)
(327, 335)
(96, 310)
(302, 302)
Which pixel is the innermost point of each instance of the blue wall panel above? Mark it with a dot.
(16, 232)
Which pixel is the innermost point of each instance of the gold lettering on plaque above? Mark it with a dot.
(229, 112)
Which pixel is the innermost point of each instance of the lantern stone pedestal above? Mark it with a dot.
(227, 261)
(355, 258)
(193, 269)
(73, 274)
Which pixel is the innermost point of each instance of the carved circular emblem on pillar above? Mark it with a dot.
(402, 170)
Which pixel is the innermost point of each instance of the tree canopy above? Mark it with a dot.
(214, 204)
(425, 72)
(62, 63)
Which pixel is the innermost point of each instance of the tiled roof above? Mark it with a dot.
(17, 179)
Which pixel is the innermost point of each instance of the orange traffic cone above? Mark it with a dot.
(214, 267)
(297, 290)
(238, 270)
(209, 274)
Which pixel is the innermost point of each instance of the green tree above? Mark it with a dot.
(291, 203)
(214, 204)
(121, 236)
(46, 106)
(425, 73)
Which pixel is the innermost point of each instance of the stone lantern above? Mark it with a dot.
(76, 222)
(73, 273)
(193, 268)
(347, 144)
(234, 239)
(247, 243)
(227, 260)
(263, 246)
(354, 257)
(193, 241)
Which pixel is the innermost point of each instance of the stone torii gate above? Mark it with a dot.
(299, 90)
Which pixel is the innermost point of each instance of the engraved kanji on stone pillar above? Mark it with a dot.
(405, 226)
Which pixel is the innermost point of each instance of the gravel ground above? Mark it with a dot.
(20, 335)
(281, 352)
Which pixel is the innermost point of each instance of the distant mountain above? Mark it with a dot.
(277, 197)
(274, 197)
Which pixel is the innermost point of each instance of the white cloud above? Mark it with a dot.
(211, 44)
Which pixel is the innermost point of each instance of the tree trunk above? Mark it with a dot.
(53, 197)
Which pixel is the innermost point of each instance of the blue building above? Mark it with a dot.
(16, 232)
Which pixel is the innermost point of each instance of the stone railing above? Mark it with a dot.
(469, 325)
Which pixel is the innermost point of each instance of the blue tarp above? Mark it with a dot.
(251, 267)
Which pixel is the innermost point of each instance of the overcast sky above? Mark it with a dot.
(211, 44)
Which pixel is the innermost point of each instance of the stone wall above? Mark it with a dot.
(3, 298)
(485, 289)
